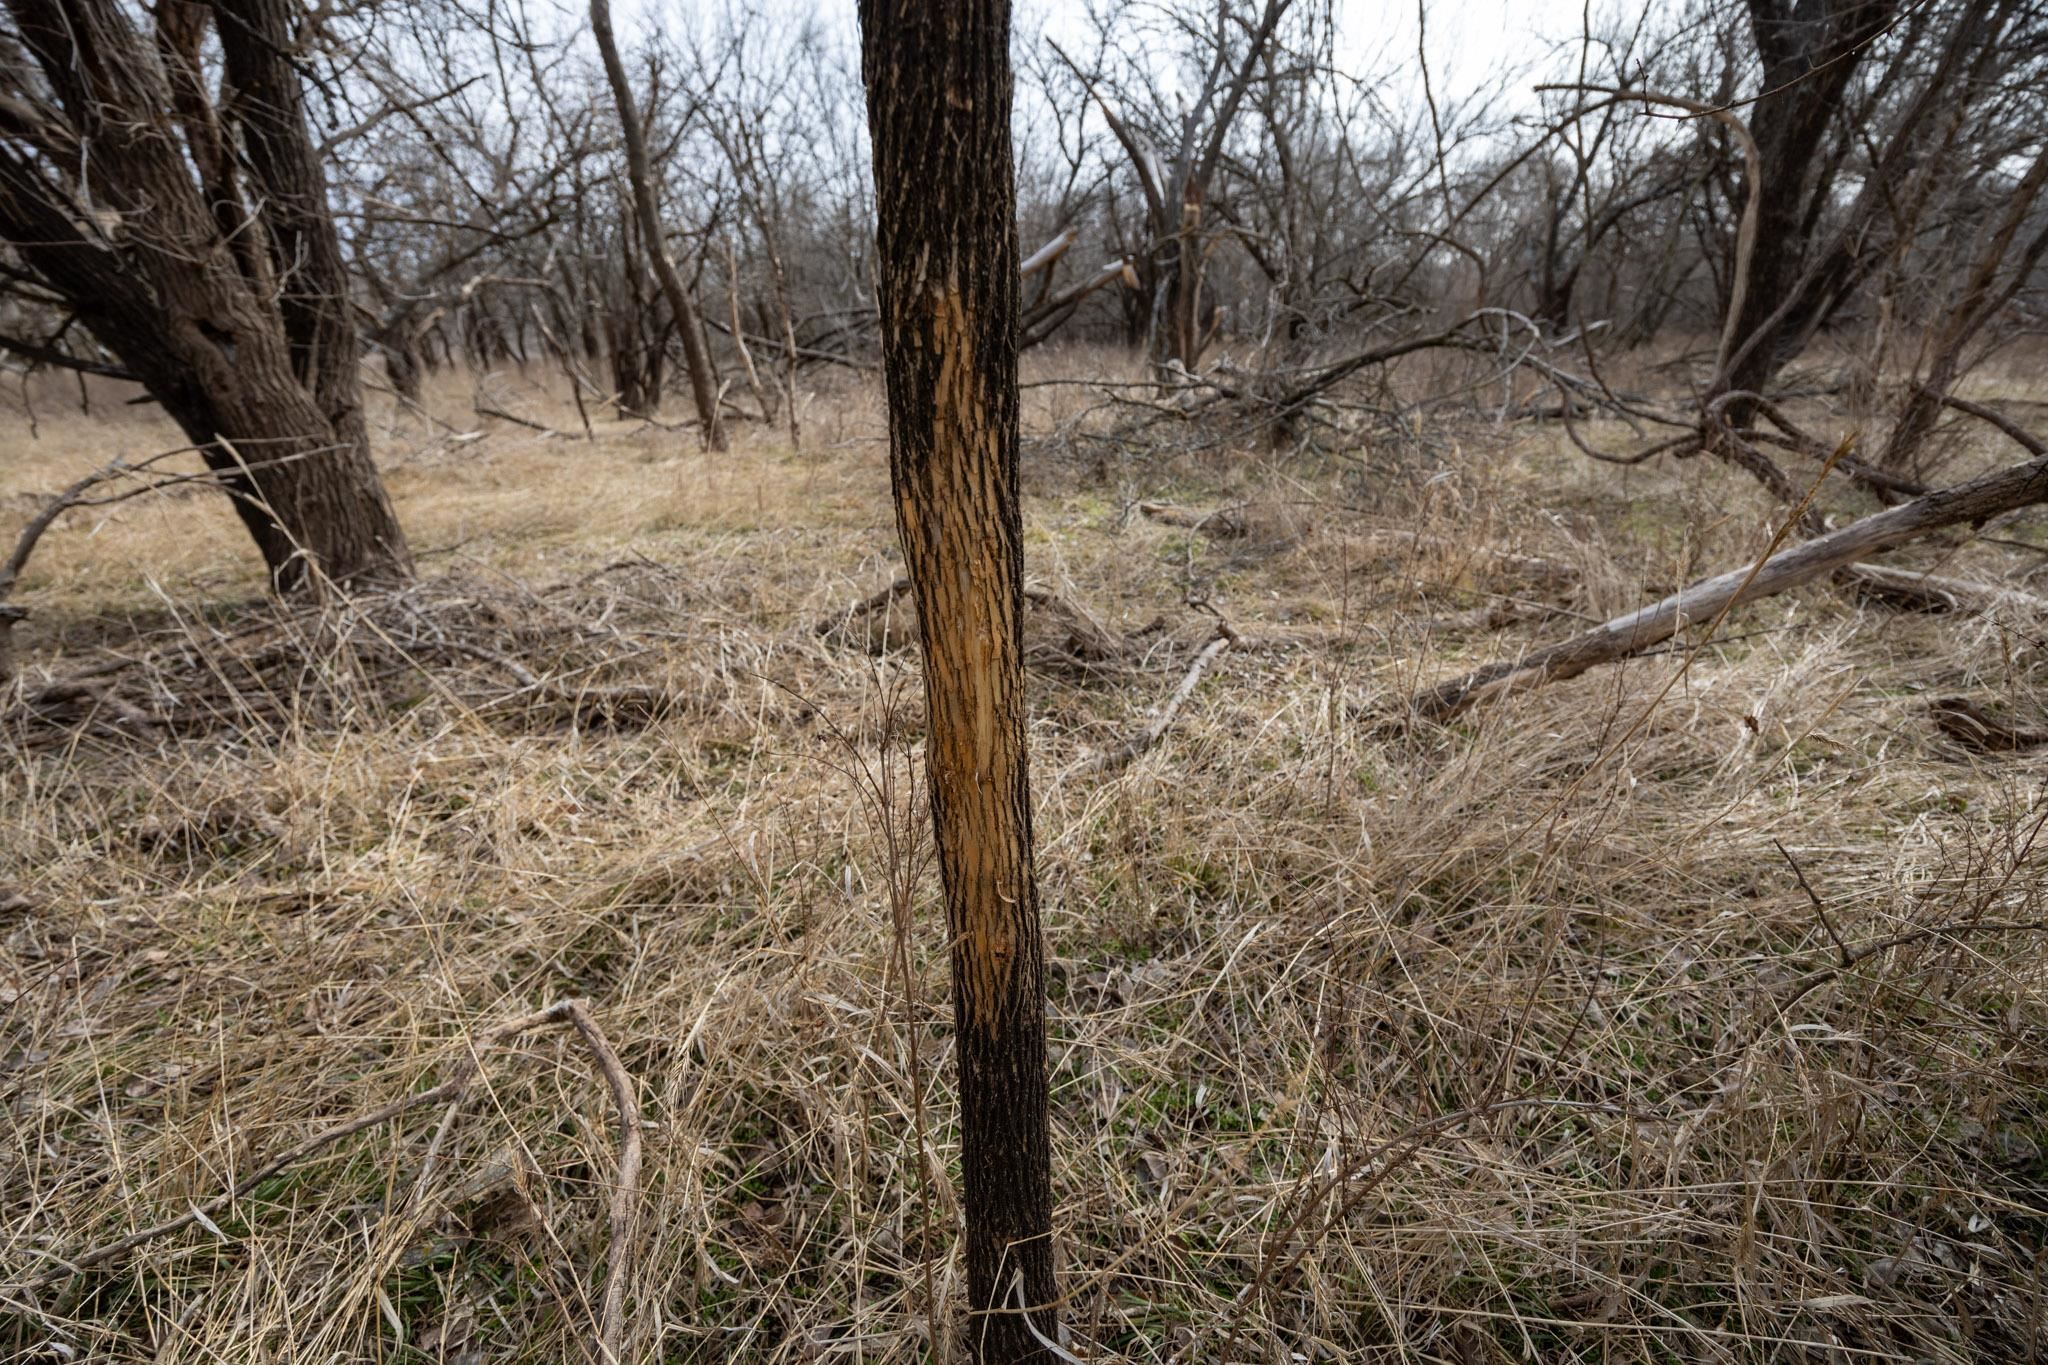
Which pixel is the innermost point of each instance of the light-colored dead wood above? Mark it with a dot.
(1122, 755)
(1049, 253)
(1975, 500)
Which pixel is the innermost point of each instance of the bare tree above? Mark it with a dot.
(188, 230)
(703, 387)
(1227, 49)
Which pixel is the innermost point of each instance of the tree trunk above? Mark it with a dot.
(251, 351)
(402, 363)
(703, 388)
(939, 89)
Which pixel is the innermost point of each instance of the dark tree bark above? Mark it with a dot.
(226, 301)
(402, 364)
(1802, 270)
(637, 332)
(1809, 53)
(703, 389)
(939, 87)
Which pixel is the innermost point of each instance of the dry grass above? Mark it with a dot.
(1286, 943)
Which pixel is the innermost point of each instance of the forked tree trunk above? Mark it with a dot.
(1809, 55)
(938, 86)
(226, 300)
(703, 388)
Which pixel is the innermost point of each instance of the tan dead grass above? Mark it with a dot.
(1280, 941)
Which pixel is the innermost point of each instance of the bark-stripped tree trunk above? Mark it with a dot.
(703, 388)
(192, 236)
(938, 85)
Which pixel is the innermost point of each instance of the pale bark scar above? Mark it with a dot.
(965, 642)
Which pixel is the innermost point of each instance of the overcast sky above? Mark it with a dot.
(1472, 44)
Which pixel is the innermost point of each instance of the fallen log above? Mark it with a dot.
(1225, 523)
(1973, 501)
(487, 410)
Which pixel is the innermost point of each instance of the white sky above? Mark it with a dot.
(1472, 44)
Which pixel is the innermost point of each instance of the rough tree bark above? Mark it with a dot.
(1815, 243)
(703, 390)
(192, 236)
(938, 89)
(1809, 53)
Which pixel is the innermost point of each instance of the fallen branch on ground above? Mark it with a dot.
(867, 606)
(1975, 500)
(625, 1189)
(589, 701)
(1380, 543)
(486, 410)
(1123, 754)
(1974, 727)
(1225, 523)
(1059, 636)
(1500, 613)
(57, 506)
